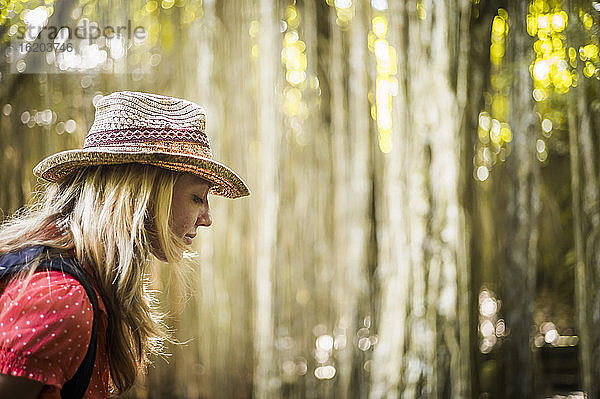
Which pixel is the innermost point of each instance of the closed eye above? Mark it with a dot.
(198, 200)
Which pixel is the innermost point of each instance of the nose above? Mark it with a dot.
(204, 218)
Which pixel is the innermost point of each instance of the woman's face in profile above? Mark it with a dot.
(189, 209)
(189, 206)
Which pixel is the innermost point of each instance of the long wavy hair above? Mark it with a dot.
(110, 216)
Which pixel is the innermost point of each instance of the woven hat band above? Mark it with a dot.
(164, 147)
(191, 142)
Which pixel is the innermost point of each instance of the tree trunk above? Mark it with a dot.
(267, 198)
(420, 221)
(519, 254)
(583, 121)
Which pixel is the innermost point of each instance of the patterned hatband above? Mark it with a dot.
(134, 127)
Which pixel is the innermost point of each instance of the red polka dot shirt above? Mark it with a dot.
(45, 329)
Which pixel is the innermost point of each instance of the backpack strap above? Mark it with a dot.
(13, 262)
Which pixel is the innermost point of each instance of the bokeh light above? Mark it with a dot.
(493, 131)
(491, 327)
(386, 85)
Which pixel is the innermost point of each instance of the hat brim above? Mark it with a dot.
(225, 182)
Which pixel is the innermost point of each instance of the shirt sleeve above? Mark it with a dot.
(45, 327)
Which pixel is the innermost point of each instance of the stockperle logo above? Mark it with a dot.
(39, 47)
(85, 30)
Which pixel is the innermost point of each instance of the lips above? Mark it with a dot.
(188, 238)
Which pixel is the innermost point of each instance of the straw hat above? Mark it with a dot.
(133, 127)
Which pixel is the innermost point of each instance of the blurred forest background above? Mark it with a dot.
(425, 215)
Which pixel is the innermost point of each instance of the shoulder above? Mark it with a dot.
(45, 327)
(45, 290)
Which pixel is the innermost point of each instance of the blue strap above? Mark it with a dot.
(13, 262)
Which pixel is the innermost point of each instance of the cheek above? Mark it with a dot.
(181, 220)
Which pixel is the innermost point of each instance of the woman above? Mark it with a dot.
(138, 187)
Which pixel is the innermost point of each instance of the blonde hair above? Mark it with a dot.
(113, 215)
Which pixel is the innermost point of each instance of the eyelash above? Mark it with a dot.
(198, 200)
